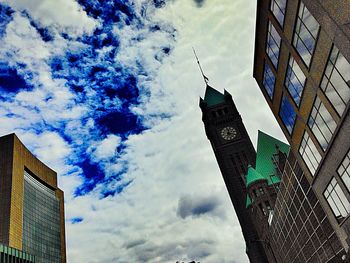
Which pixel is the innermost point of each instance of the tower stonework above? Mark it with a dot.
(234, 151)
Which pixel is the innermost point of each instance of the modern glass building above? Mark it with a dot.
(301, 64)
(32, 218)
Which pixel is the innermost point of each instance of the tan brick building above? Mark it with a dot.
(31, 204)
(301, 64)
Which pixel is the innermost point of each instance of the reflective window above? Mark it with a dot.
(278, 8)
(344, 170)
(273, 44)
(41, 221)
(269, 80)
(305, 34)
(321, 123)
(309, 153)
(336, 81)
(287, 114)
(295, 80)
(337, 200)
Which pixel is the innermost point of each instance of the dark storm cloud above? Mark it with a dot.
(187, 250)
(196, 206)
(199, 3)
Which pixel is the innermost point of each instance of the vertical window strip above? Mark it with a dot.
(337, 200)
(287, 114)
(305, 34)
(321, 123)
(309, 153)
(344, 171)
(295, 80)
(273, 44)
(269, 80)
(336, 81)
(278, 8)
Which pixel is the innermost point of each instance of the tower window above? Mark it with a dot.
(261, 190)
(336, 81)
(295, 80)
(337, 200)
(287, 114)
(262, 209)
(278, 8)
(268, 206)
(309, 153)
(269, 80)
(321, 123)
(305, 34)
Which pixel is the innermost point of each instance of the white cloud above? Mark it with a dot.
(63, 15)
(106, 148)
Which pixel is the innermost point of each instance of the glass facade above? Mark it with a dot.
(12, 255)
(321, 123)
(273, 44)
(299, 226)
(337, 200)
(305, 34)
(309, 153)
(269, 80)
(295, 80)
(41, 221)
(278, 8)
(287, 114)
(336, 80)
(344, 171)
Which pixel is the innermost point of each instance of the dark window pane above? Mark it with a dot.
(269, 80)
(295, 80)
(287, 114)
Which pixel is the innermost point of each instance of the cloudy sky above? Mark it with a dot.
(106, 93)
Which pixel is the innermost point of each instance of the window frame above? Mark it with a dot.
(301, 154)
(317, 126)
(339, 219)
(268, 33)
(329, 81)
(297, 35)
(347, 155)
(285, 79)
(284, 15)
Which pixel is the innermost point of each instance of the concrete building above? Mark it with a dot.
(31, 205)
(301, 64)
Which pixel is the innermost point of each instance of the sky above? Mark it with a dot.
(106, 93)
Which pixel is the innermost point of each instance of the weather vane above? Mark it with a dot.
(206, 80)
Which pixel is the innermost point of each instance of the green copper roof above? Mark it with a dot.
(266, 150)
(213, 97)
(248, 202)
(253, 176)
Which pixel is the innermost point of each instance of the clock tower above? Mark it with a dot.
(234, 151)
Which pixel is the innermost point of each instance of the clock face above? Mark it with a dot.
(228, 133)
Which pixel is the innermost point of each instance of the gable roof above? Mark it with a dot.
(265, 151)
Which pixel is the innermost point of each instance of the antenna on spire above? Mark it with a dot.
(206, 80)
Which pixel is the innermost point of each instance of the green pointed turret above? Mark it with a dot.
(253, 176)
(213, 97)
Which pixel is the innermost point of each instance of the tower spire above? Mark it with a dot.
(206, 80)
